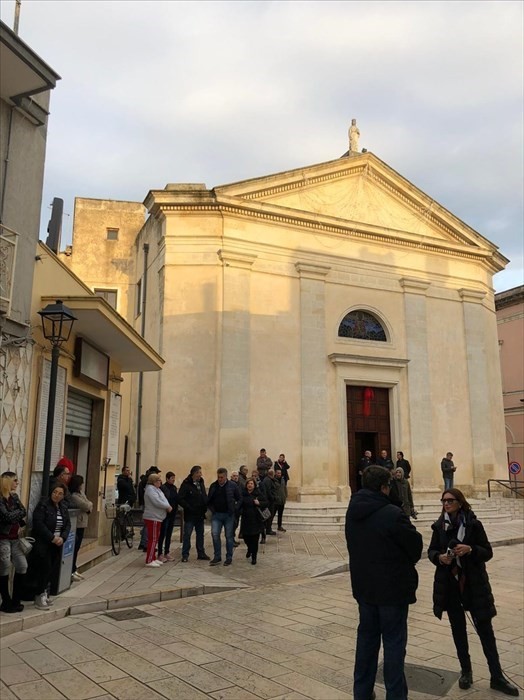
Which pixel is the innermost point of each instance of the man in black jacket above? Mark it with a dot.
(224, 502)
(192, 497)
(383, 547)
(125, 487)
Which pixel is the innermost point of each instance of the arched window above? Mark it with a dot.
(362, 325)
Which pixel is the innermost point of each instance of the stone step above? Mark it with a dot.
(339, 527)
(94, 555)
(331, 517)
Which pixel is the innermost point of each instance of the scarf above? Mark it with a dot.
(457, 570)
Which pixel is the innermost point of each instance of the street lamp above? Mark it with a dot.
(57, 323)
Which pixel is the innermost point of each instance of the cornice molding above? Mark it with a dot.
(356, 230)
(414, 285)
(474, 296)
(304, 181)
(233, 258)
(338, 358)
(312, 271)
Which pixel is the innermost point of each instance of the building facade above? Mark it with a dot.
(316, 312)
(88, 422)
(25, 85)
(510, 325)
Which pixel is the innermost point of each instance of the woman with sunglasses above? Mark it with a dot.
(459, 549)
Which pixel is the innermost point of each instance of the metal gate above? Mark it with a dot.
(78, 416)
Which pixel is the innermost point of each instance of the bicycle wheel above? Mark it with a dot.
(116, 536)
(128, 530)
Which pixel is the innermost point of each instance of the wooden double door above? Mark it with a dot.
(368, 425)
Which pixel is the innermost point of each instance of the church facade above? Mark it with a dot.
(317, 312)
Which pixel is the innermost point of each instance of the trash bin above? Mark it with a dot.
(63, 579)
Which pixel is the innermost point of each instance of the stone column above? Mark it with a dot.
(421, 427)
(314, 384)
(235, 370)
(478, 378)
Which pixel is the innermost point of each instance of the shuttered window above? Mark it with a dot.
(78, 418)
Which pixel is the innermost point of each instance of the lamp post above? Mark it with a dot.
(57, 323)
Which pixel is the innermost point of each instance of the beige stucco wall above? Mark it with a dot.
(103, 263)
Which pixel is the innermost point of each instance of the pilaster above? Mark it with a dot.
(235, 381)
(415, 310)
(478, 373)
(314, 384)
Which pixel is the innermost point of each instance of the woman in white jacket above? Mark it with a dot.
(156, 507)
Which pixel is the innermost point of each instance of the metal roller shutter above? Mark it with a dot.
(78, 418)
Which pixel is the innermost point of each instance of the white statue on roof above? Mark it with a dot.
(354, 134)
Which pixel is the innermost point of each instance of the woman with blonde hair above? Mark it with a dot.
(12, 514)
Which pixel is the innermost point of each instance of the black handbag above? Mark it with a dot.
(264, 513)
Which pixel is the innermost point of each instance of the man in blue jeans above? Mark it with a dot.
(383, 549)
(223, 501)
(448, 470)
(192, 497)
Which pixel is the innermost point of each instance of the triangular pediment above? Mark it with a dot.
(359, 189)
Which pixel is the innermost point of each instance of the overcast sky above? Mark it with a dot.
(215, 92)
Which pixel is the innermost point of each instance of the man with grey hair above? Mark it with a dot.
(223, 501)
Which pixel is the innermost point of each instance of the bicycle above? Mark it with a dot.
(122, 527)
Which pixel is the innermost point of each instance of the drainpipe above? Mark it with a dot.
(141, 374)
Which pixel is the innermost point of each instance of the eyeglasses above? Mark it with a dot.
(448, 500)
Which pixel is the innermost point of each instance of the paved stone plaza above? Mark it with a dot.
(284, 629)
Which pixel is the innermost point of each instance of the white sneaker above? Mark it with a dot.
(41, 602)
(75, 576)
(159, 562)
(153, 564)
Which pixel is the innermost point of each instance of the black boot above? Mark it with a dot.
(466, 679)
(248, 554)
(253, 559)
(7, 603)
(18, 587)
(504, 686)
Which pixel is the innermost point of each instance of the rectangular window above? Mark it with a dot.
(139, 298)
(110, 295)
(112, 234)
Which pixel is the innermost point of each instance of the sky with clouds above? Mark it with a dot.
(215, 92)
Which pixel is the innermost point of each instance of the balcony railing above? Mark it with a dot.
(8, 239)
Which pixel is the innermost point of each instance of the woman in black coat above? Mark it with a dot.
(251, 523)
(459, 549)
(51, 525)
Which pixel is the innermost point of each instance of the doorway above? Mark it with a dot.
(368, 425)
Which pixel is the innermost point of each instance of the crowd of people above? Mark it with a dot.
(235, 501)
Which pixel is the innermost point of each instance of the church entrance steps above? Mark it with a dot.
(331, 517)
